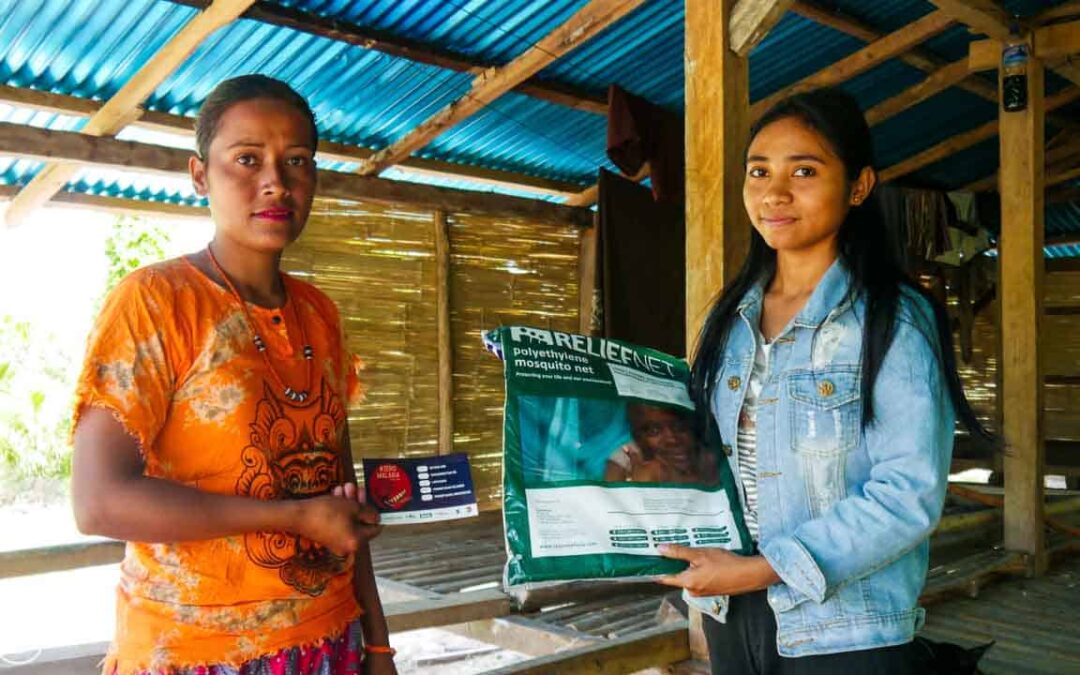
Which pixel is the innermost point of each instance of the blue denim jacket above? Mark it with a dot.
(845, 513)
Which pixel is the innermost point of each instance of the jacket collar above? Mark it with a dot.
(831, 293)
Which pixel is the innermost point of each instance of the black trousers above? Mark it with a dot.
(746, 645)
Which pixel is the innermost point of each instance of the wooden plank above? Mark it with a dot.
(25, 562)
(1063, 195)
(1062, 11)
(717, 126)
(446, 611)
(524, 635)
(328, 150)
(77, 149)
(445, 344)
(968, 575)
(984, 55)
(1058, 176)
(874, 54)
(717, 226)
(983, 16)
(936, 82)
(1058, 44)
(1056, 153)
(74, 148)
(658, 647)
(413, 50)
(751, 21)
(124, 106)
(118, 205)
(1060, 40)
(1021, 274)
(587, 265)
(494, 82)
(917, 58)
(965, 140)
(586, 197)
(67, 660)
(835, 20)
(351, 186)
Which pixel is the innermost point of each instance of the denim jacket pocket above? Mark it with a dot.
(824, 408)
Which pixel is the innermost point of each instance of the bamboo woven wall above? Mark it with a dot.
(1060, 336)
(503, 272)
(378, 264)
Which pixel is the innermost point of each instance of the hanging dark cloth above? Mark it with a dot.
(643, 266)
(639, 132)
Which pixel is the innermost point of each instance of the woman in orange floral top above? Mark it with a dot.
(211, 430)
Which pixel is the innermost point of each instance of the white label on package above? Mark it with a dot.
(636, 384)
(587, 519)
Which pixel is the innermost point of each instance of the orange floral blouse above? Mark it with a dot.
(172, 358)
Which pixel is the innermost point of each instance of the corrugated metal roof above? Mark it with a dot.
(370, 99)
(494, 31)
(1063, 218)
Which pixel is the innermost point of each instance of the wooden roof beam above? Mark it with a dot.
(933, 84)
(76, 149)
(1063, 174)
(965, 140)
(1061, 195)
(1062, 11)
(751, 21)
(1053, 43)
(494, 82)
(412, 50)
(1058, 149)
(983, 16)
(916, 58)
(874, 54)
(124, 106)
(1057, 153)
(177, 124)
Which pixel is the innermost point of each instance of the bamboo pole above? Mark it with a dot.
(445, 341)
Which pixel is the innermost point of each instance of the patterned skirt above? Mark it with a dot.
(341, 655)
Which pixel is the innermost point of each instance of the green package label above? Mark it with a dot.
(601, 463)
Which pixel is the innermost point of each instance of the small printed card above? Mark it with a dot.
(420, 490)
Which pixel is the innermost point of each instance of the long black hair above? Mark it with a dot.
(865, 249)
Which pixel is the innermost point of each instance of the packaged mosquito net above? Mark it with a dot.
(601, 464)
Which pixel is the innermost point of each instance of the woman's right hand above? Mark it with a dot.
(338, 524)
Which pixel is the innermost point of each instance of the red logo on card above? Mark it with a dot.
(390, 487)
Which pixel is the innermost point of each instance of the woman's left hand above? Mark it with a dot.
(379, 664)
(715, 571)
(365, 531)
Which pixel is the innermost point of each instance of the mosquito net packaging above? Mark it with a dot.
(601, 463)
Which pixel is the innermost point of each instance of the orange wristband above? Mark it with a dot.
(379, 649)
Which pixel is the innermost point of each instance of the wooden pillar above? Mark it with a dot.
(445, 343)
(1021, 287)
(587, 277)
(717, 125)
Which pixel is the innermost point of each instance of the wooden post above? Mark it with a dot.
(445, 342)
(587, 259)
(1021, 288)
(717, 125)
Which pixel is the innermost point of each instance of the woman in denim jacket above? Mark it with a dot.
(830, 378)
